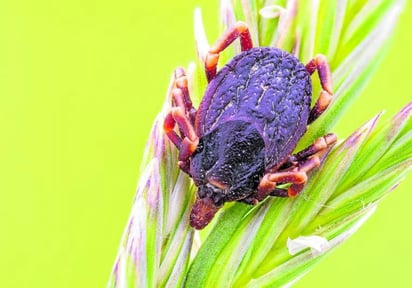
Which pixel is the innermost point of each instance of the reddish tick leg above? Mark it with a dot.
(184, 123)
(320, 63)
(310, 158)
(168, 126)
(181, 115)
(190, 140)
(239, 30)
(297, 177)
(268, 183)
(187, 148)
(320, 146)
(304, 167)
(180, 94)
(188, 144)
(294, 171)
(255, 198)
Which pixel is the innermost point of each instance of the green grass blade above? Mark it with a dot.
(210, 250)
(295, 267)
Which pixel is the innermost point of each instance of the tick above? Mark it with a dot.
(238, 145)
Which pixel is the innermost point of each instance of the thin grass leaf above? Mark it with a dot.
(328, 32)
(376, 147)
(279, 211)
(243, 236)
(368, 191)
(216, 241)
(307, 22)
(286, 37)
(400, 151)
(365, 21)
(251, 16)
(292, 270)
(269, 20)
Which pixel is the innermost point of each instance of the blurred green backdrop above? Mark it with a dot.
(80, 85)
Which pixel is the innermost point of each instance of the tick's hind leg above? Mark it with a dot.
(320, 63)
(182, 113)
(239, 30)
(294, 171)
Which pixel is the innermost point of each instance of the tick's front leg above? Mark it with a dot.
(239, 30)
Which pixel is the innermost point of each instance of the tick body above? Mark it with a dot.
(238, 145)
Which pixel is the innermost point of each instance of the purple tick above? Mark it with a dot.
(238, 145)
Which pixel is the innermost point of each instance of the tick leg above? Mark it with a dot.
(184, 124)
(239, 30)
(268, 183)
(180, 94)
(294, 171)
(189, 141)
(319, 147)
(187, 148)
(168, 126)
(256, 198)
(320, 63)
(305, 167)
(181, 114)
(297, 176)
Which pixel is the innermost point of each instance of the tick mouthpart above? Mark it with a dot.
(202, 213)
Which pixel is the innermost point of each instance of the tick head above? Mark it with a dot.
(202, 213)
(209, 200)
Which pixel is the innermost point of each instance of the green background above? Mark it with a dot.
(80, 85)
